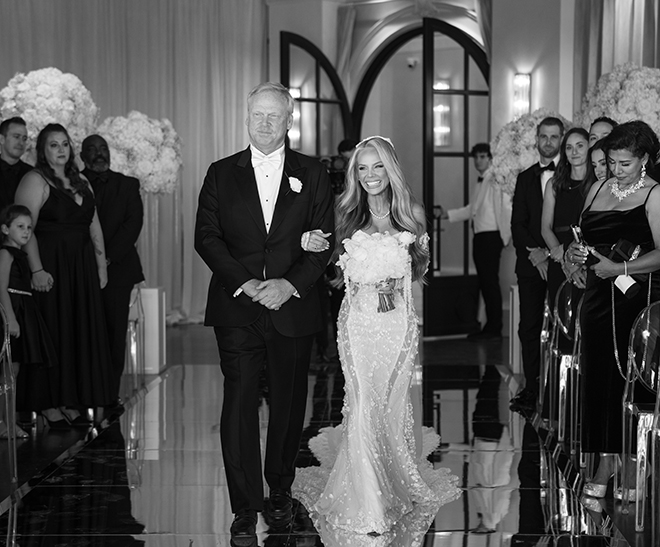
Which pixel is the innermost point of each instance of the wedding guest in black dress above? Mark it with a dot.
(67, 260)
(625, 207)
(562, 204)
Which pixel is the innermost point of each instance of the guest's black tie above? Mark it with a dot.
(480, 179)
(549, 167)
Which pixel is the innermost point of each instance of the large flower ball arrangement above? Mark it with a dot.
(47, 96)
(147, 149)
(627, 93)
(514, 148)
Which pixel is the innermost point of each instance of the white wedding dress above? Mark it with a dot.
(374, 486)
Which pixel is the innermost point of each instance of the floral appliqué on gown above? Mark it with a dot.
(375, 486)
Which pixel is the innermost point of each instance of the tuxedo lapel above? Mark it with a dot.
(286, 195)
(247, 187)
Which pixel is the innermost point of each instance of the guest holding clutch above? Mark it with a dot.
(562, 203)
(625, 208)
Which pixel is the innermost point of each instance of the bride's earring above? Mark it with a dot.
(641, 179)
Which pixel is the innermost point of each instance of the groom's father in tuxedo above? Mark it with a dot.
(254, 207)
(532, 256)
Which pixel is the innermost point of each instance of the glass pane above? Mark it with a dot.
(331, 129)
(477, 81)
(449, 183)
(448, 62)
(448, 123)
(307, 128)
(327, 91)
(479, 120)
(303, 72)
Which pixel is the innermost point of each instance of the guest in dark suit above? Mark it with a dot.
(119, 206)
(13, 140)
(254, 207)
(532, 255)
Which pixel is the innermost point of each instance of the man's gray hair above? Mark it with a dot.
(276, 89)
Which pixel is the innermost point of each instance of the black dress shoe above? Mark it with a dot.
(279, 509)
(244, 529)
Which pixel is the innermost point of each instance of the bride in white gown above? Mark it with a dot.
(375, 485)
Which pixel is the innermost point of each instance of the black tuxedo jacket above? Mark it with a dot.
(230, 236)
(10, 177)
(120, 210)
(526, 219)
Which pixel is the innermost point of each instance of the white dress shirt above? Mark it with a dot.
(268, 171)
(547, 174)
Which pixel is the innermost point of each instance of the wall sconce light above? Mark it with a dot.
(522, 94)
(295, 139)
(441, 115)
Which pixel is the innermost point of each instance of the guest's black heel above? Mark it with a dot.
(78, 421)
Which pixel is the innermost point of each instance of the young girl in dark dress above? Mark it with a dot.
(30, 342)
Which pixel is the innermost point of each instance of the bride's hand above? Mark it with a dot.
(315, 241)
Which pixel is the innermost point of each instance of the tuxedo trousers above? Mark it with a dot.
(531, 293)
(244, 353)
(116, 303)
(486, 253)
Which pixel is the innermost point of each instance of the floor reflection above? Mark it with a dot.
(156, 477)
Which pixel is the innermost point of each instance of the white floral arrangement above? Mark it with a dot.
(377, 259)
(295, 184)
(48, 96)
(147, 149)
(627, 93)
(514, 149)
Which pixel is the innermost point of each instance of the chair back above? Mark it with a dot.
(566, 302)
(643, 347)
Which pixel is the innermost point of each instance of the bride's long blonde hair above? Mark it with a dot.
(352, 210)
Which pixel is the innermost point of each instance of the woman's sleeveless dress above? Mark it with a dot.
(33, 346)
(568, 205)
(371, 479)
(72, 311)
(603, 385)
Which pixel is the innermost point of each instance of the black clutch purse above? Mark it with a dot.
(624, 250)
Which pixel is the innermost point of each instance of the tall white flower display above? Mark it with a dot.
(514, 148)
(627, 93)
(145, 148)
(48, 96)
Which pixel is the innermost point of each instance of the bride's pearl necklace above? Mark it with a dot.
(379, 217)
(623, 194)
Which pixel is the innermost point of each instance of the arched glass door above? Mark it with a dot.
(450, 100)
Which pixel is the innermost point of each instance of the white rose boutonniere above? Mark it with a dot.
(296, 184)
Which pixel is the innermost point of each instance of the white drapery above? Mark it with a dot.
(192, 61)
(610, 33)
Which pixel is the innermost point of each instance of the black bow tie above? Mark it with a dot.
(549, 167)
(100, 177)
(480, 179)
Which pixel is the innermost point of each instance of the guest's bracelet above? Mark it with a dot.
(625, 268)
(37, 271)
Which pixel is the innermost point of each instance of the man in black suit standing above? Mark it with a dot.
(13, 140)
(254, 207)
(532, 256)
(119, 206)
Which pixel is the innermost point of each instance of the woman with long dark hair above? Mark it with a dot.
(623, 209)
(562, 203)
(67, 260)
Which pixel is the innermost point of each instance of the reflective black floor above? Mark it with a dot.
(155, 477)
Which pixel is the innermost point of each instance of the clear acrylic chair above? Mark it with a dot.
(643, 361)
(546, 357)
(9, 391)
(559, 368)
